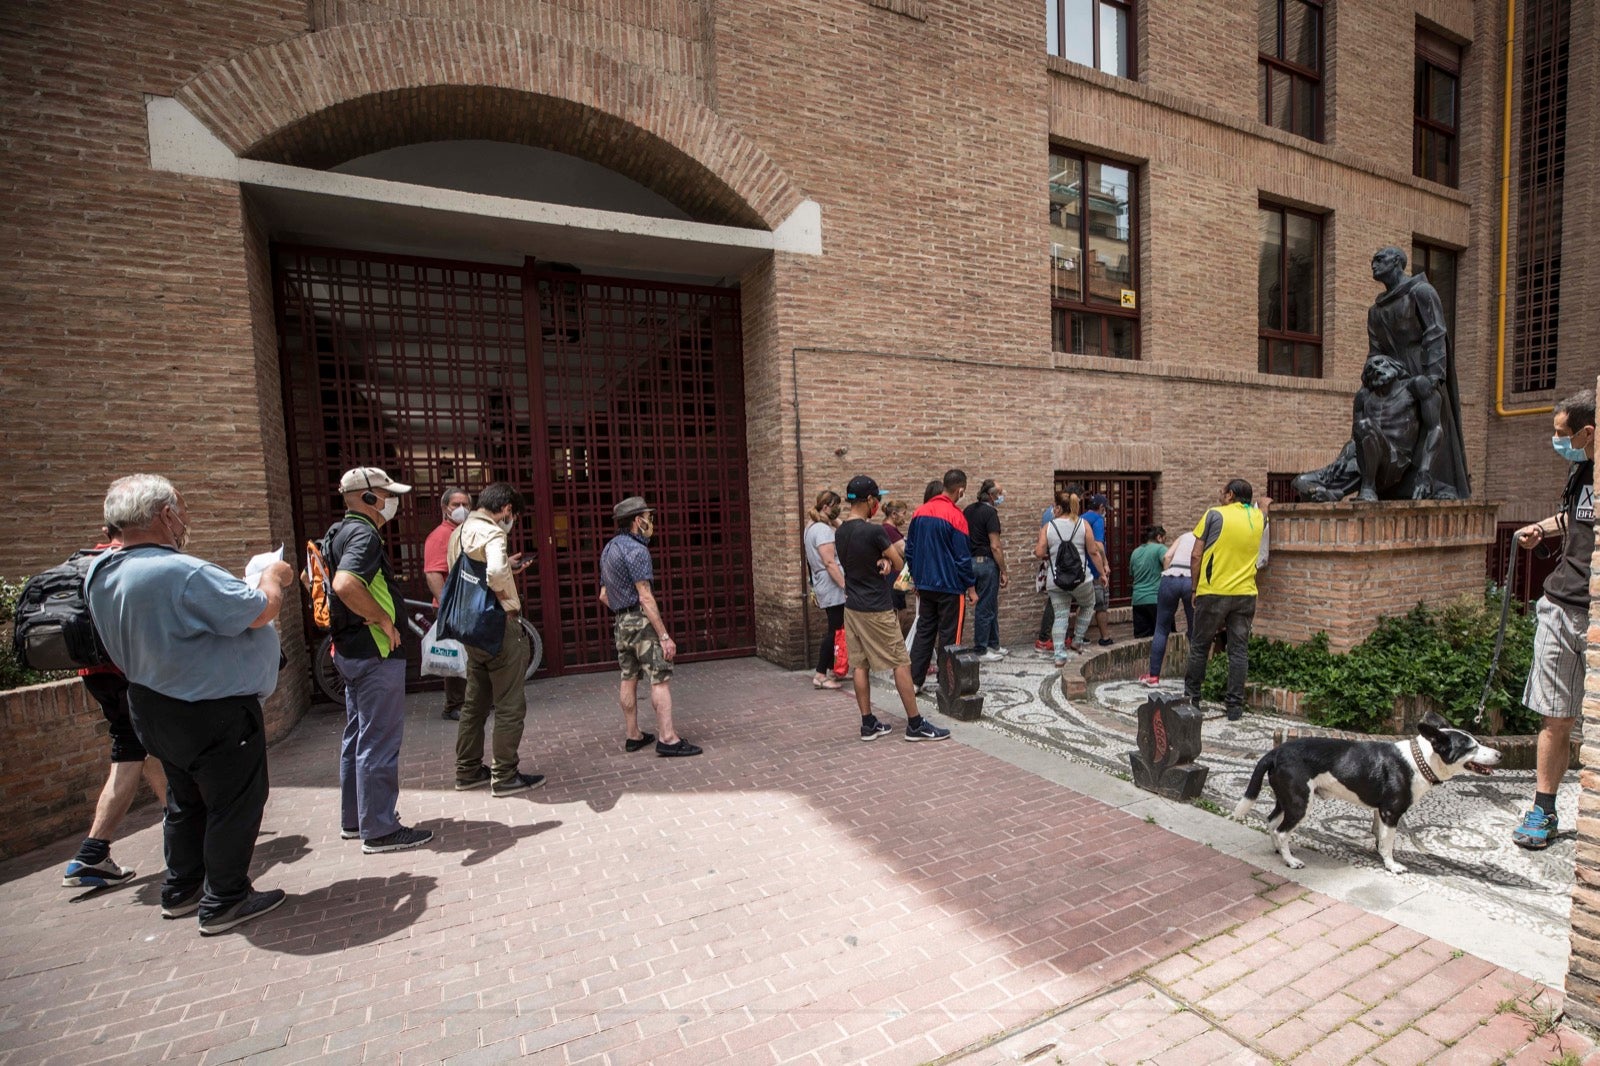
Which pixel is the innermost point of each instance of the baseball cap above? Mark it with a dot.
(1099, 500)
(861, 487)
(370, 477)
(629, 507)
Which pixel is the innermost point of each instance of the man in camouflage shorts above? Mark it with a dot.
(643, 646)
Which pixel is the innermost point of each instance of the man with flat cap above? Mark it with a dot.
(643, 646)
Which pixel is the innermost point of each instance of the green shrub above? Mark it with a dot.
(13, 674)
(1440, 653)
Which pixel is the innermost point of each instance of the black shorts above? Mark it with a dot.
(111, 692)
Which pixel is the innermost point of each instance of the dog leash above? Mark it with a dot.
(1500, 637)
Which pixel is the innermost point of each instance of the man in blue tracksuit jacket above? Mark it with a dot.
(940, 557)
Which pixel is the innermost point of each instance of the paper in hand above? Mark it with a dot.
(258, 565)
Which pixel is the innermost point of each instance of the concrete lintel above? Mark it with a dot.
(181, 144)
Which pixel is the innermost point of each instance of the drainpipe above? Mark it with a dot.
(800, 496)
(1505, 230)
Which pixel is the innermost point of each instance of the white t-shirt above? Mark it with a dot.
(1182, 553)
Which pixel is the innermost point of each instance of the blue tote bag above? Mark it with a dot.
(469, 611)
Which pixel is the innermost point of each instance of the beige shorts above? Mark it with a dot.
(874, 640)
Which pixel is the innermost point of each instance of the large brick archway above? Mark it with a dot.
(325, 97)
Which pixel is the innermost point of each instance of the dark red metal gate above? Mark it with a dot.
(579, 390)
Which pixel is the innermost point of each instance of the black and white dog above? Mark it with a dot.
(1385, 776)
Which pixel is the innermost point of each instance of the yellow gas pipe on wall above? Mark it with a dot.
(1505, 229)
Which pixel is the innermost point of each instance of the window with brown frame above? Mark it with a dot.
(1280, 488)
(1093, 250)
(1289, 39)
(1434, 150)
(1440, 266)
(1290, 292)
(1096, 33)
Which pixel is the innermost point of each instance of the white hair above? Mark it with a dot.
(133, 502)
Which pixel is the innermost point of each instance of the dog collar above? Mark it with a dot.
(1422, 764)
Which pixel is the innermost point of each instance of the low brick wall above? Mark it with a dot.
(54, 754)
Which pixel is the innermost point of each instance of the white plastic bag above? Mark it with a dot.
(443, 658)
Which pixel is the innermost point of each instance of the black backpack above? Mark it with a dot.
(51, 627)
(1068, 571)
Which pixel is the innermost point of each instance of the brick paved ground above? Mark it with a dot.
(792, 896)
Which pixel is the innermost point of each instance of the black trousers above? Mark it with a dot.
(215, 755)
(938, 624)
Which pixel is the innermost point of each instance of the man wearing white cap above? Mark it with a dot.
(366, 651)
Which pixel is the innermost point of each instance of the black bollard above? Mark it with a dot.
(1169, 742)
(958, 683)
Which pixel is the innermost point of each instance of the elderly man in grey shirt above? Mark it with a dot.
(200, 654)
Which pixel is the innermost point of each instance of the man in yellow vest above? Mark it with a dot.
(1227, 547)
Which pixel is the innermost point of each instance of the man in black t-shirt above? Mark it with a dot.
(989, 566)
(1556, 677)
(870, 627)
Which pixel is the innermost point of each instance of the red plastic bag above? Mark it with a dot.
(841, 655)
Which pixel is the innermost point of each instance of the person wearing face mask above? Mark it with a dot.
(644, 649)
(455, 504)
(1555, 679)
(200, 654)
(989, 567)
(494, 679)
(939, 552)
(363, 610)
(827, 579)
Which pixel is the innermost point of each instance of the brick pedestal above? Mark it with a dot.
(1339, 567)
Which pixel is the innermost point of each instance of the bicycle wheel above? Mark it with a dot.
(324, 673)
(535, 649)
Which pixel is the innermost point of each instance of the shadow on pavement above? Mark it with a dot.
(342, 915)
(481, 841)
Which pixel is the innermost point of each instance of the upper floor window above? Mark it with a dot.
(1290, 42)
(1290, 292)
(1438, 110)
(1093, 238)
(1096, 33)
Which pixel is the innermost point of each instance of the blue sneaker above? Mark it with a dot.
(1536, 830)
(101, 874)
(872, 729)
(926, 731)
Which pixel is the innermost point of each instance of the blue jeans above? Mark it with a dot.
(369, 757)
(986, 615)
(1173, 592)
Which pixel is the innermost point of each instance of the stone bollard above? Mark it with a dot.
(1169, 742)
(958, 683)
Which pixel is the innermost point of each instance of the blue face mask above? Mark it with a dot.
(1564, 448)
(998, 500)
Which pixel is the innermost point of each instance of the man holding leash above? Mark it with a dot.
(1555, 680)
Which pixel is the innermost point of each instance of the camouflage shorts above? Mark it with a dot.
(639, 649)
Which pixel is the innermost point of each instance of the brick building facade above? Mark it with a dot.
(932, 224)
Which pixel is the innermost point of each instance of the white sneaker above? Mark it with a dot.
(990, 657)
(1003, 651)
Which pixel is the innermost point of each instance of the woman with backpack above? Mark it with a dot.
(1067, 543)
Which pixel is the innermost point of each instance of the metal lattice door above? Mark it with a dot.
(430, 369)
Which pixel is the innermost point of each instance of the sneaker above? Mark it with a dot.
(102, 874)
(872, 729)
(1233, 713)
(1002, 651)
(643, 742)
(184, 907)
(252, 906)
(349, 833)
(1060, 661)
(926, 731)
(451, 715)
(925, 693)
(1044, 645)
(516, 783)
(680, 749)
(1150, 681)
(401, 839)
(990, 656)
(1106, 642)
(480, 778)
(1536, 829)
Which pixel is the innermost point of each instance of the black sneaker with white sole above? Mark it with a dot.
(252, 906)
(401, 839)
(479, 778)
(182, 908)
(516, 783)
(926, 730)
(872, 729)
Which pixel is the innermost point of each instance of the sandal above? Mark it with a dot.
(828, 682)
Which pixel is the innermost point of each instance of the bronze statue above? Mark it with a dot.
(1406, 440)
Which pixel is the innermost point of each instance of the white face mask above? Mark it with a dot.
(458, 515)
(390, 508)
(506, 523)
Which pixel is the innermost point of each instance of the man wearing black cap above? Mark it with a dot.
(870, 627)
(643, 646)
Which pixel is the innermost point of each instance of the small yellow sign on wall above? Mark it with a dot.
(1129, 298)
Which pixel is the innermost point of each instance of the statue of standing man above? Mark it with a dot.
(1406, 323)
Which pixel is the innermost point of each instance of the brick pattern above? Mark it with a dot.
(1583, 969)
(885, 904)
(1338, 568)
